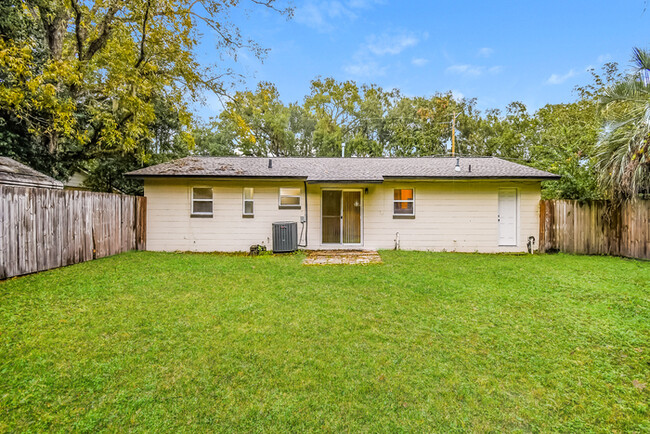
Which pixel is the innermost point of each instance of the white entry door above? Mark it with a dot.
(507, 217)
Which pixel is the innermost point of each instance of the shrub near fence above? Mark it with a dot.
(595, 228)
(44, 228)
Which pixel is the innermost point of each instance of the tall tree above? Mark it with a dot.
(370, 134)
(622, 153)
(421, 126)
(302, 125)
(335, 107)
(562, 139)
(260, 122)
(213, 140)
(83, 76)
(495, 133)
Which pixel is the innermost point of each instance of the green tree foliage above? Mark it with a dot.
(260, 122)
(371, 121)
(494, 133)
(82, 78)
(622, 154)
(334, 105)
(422, 126)
(213, 140)
(106, 85)
(162, 144)
(562, 141)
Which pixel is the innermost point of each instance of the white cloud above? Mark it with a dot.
(485, 52)
(365, 69)
(472, 70)
(311, 15)
(319, 15)
(325, 14)
(365, 4)
(559, 79)
(419, 61)
(365, 62)
(457, 95)
(468, 70)
(391, 43)
(604, 58)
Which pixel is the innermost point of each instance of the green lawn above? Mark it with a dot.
(426, 341)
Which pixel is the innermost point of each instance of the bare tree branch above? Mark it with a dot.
(78, 28)
(144, 35)
(103, 33)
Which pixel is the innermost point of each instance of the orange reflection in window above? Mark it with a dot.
(404, 194)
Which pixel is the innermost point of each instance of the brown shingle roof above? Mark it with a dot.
(342, 169)
(14, 173)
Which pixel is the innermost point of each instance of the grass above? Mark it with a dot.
(427, 341)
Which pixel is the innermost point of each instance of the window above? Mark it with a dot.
(289, 198)
(403, 203)
(202, 202)
(248, 202)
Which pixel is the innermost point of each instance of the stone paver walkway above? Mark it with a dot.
(342, 257)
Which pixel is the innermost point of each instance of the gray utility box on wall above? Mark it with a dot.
(285, 237)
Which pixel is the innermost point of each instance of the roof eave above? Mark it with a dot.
(345, 181)
(477, 178)
(27, 182)
(192, 175)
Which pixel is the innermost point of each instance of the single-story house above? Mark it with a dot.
(77, 181)
(428, 203)
(17, 174)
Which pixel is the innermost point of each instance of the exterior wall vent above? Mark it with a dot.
(285, 237)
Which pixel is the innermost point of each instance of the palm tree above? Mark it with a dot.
(622, 152)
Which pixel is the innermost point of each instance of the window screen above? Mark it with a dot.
(403, 202)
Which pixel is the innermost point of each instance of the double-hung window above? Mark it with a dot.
(248, 210)
(403, 203)
(289, 198)
(202, 202)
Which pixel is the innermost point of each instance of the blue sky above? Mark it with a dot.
(497, 52)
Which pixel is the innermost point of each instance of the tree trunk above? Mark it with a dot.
(55, 29)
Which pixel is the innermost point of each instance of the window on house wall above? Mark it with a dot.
(289, 198)
(249, 209)
(403, 202)
(202, 202)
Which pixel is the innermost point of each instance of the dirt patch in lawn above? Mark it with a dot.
(342, 257)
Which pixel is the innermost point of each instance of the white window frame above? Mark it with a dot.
(192, 200)
(412, 201)
(280, 196)
(251, 200)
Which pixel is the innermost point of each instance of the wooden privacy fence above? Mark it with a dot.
(43, 228)
(595, 228)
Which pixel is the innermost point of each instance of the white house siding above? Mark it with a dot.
(453, 216)
(76, 181)
(170, 227)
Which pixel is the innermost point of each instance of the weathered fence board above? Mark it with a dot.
(43, 228)
(595, 228)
